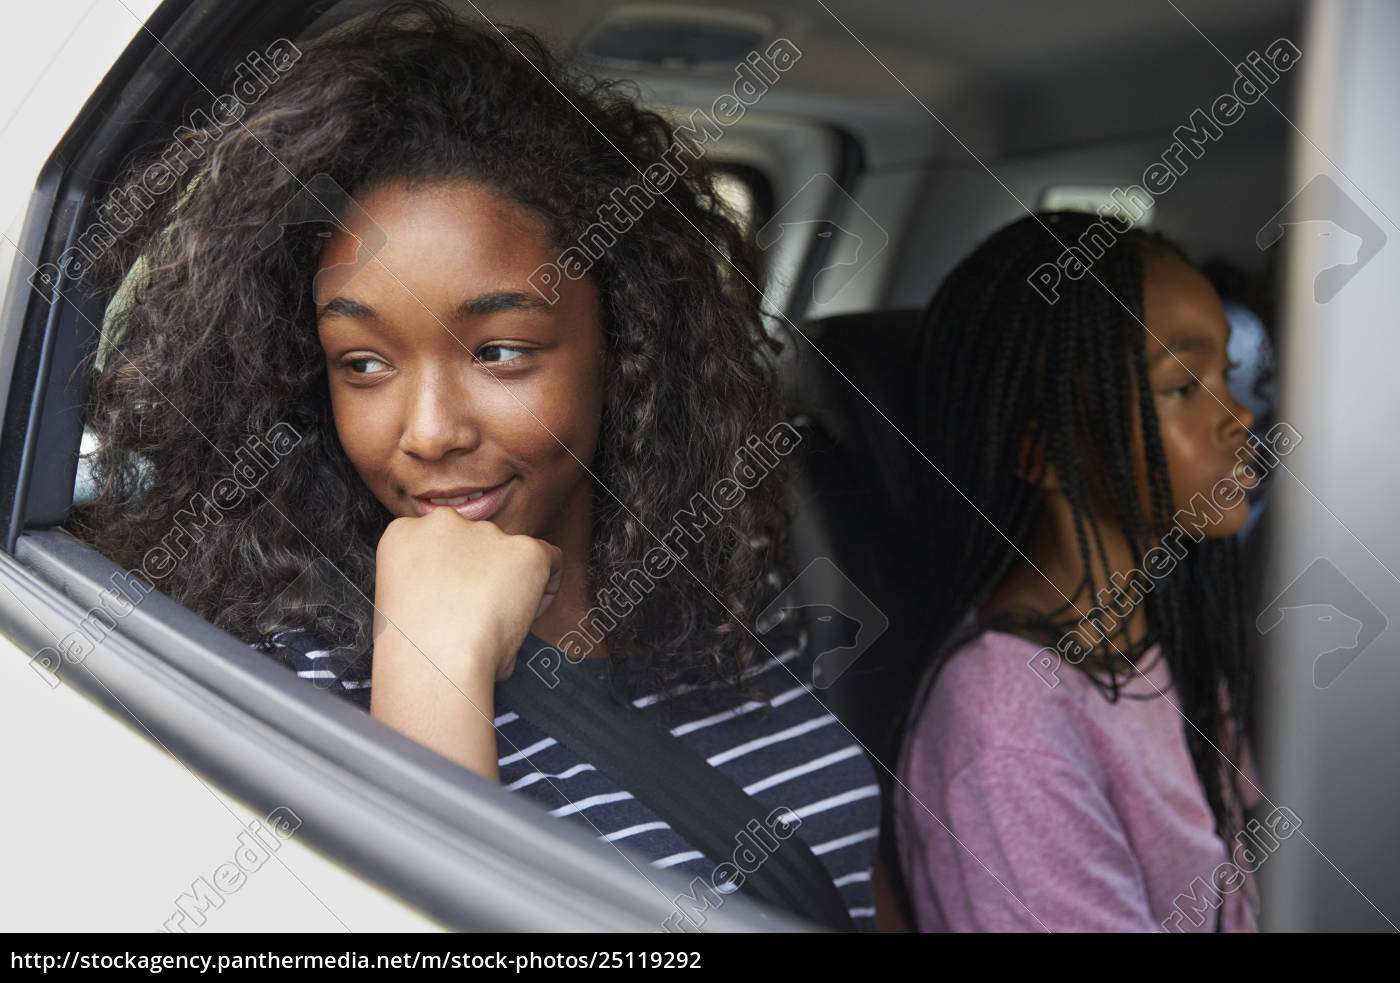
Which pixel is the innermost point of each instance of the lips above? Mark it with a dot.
(452, 499)
(1245, 475)
(475, 503)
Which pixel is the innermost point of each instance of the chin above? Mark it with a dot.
(1231, 522)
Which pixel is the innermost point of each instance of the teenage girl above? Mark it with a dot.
(1074, 760)
(486, 451)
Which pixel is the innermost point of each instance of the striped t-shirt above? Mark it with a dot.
(789, 753)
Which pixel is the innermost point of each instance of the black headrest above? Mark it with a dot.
(856, 380)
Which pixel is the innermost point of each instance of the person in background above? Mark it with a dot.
(1075, 759)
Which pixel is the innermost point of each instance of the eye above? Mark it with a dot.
(363, 365)
(1182, 391)
(1230, 367)
(501, 353)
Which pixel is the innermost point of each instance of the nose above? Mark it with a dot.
(1236, 421)
(438, 418)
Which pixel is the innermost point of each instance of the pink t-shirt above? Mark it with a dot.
(1032, 807)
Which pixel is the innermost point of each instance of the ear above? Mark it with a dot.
(1031, 466)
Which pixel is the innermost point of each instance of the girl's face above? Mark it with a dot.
(1202, 427)
(507, 436)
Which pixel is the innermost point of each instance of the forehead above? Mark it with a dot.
(1181, 311)
(429, 242)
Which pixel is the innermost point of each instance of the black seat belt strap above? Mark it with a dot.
(696, 799)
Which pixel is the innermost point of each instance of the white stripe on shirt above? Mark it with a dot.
(785, 697)
(695, 725)
(633, 831)
(816, 764)
(854, 795)
(778, 660)
(590, 802)
(845, 841)
(780, 736)
(539, 776)
(520, 755)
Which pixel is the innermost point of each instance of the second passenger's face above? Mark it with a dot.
(1201, 426)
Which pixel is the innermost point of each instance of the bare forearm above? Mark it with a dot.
(437, 698)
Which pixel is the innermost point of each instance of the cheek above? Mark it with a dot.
(553, 423)
(362, 434)
(1184, 470)
(1194, 467)
(1179, 449)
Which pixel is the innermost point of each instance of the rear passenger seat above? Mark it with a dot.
(857, 487)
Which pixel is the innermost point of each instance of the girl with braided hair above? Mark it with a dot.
(1075, 758)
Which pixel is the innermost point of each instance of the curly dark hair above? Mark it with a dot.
(1005, 376)
(222, 330)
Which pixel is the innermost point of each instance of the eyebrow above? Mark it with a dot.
(1196, 343)
(495, 302)
(500, 300)
(349, 308)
